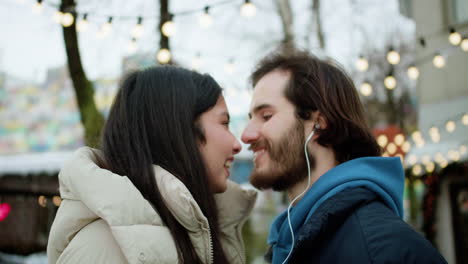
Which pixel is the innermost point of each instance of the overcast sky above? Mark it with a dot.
(31, 43)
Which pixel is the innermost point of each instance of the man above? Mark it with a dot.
(351, 210)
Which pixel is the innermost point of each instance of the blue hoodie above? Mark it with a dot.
(383, 176)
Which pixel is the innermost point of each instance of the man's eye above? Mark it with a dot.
(267, 117)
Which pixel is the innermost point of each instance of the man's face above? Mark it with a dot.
(275, 135)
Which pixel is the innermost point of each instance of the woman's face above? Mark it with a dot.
(220, 146)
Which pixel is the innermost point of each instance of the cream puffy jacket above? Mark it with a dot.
(103, 218)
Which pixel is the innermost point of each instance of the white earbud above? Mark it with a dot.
(316, 126)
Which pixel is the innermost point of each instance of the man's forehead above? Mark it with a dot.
(269, 90)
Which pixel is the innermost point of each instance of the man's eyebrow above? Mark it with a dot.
(258, 108)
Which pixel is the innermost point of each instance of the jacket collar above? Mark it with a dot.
(115, 199)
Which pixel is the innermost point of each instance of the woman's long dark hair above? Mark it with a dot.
(154, 120)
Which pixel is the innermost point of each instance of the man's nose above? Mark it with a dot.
(250, 134)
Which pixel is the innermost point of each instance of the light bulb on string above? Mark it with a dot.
(425, 159)
(82, 24)
(406, 147)
(248, 9)
(464, 44)
(417, 169)
(412, 159)
(390, 81)
(399, 139)
(230, 67)
(38, 7)
(169, 28)
(413, 72)
(439, 157)
(163, 56)
(67, 19)
(197, 62)
(382, 140)
(439, 61)
(454, 37)
(205, 18)
(462, 149)
(465, 119)
(106, 28)
(393, 57)
(391, 148)
(57, 16)
(137, 31)
(450, 126)
(430, 166)
(132, 46)
(362, 64)
(365, 89)
(416, 136)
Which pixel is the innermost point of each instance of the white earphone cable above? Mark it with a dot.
(308, 184)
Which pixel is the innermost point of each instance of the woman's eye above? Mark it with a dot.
(226, 123)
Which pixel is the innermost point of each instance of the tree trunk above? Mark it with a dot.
(285, 12)
(318, 24)
(91, 118)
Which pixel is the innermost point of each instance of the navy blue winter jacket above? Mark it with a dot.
(355, 226)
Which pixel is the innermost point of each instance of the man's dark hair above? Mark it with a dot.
(318, 85)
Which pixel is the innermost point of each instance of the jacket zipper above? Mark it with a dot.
(210, 253)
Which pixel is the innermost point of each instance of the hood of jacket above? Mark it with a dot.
(90, 193)
(384, 176)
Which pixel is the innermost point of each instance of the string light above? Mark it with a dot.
(391, 148)
(132, 46)
(462, 149)
(107, 27)
(362, 64)
(248, 9)
(465, 119)
(57, 16)
(37, 7)
(420, 143)
(42, 201)
(434, 133)
(56, 200)
(430, 166)
(365, 89)
(399, 139)
(67, 19)
(417, 169)
(439, 61)
(406, 147)
(439, 157)
(425, 159)
(382, 140)
(454, 38)
(393, 57)
(205, 18)
(197, 62)
(82, 24)
(413, 72)
(137, 31)
(390, 82)
(168, 28)
(464, 44)
(412, 159)
(416, 136)
(443, 164)
(450, 126)
(454, 155)
(230, 67)
(163, 56)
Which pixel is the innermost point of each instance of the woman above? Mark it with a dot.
(168, 133)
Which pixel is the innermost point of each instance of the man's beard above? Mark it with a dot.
(287, 165)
